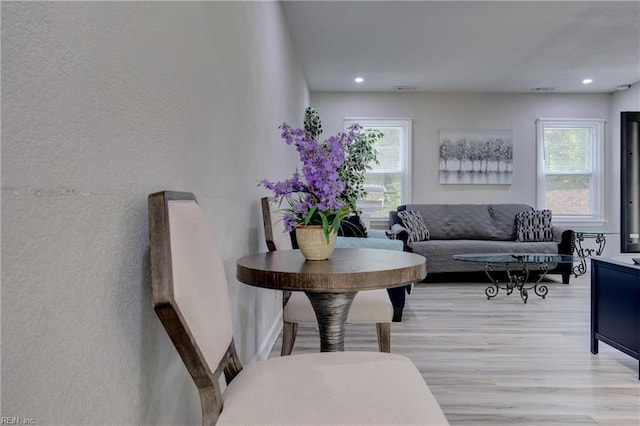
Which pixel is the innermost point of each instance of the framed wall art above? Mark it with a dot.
(476, 157)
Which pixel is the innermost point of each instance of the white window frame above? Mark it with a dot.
(597, 127)
(405, 155)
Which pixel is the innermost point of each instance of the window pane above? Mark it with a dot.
(567, 149)
(383, 194)
(570, 178)
(389, 149)
(387, 182)
(568, 194)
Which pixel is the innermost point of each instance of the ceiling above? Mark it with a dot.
(470, 46)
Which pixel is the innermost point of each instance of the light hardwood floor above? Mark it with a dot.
(499, 361)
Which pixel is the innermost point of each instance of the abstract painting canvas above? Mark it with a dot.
(476, 157)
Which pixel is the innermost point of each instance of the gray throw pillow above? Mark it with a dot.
(534, 225)
(412, 221)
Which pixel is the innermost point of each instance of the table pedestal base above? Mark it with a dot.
(517, 280)
(331, 310)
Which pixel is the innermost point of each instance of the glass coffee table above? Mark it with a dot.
(517, 267)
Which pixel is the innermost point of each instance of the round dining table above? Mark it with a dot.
(332, 284)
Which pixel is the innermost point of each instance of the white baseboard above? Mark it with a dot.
(270, 339)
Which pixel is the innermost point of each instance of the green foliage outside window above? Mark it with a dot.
(567, 150)
(568, 168)
(384, 179)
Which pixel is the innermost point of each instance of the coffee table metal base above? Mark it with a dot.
(517, 279)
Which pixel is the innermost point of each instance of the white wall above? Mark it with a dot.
(102, 104)
(434, 111)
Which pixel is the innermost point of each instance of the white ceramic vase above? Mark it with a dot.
(313, 243)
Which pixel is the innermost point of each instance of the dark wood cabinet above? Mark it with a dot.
(615, 305)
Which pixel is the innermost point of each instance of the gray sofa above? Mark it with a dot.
(476, 228)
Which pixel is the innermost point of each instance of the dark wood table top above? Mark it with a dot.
(347, 270)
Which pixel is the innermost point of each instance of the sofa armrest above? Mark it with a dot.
(566, 245)
(557, 233)
(565, 238)
(394, 218)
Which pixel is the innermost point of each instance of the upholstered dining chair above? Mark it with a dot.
(190, 296)
(368, 307)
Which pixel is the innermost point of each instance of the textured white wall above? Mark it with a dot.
(102, 104)
(432, 112)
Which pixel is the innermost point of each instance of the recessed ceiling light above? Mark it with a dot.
(587, 81)
(358, 80)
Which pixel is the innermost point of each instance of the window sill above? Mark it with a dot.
(584, 222)
(379, 223)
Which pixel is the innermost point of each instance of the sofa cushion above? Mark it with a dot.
(470, 221)
(370, 242)
(534, 225)
(413, 223)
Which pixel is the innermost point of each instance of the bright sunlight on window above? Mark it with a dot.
(388, 183)
(570, 169)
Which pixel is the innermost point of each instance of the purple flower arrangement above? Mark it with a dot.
(314, 194)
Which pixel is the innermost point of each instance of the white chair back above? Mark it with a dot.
(199, 280)
(190, 295)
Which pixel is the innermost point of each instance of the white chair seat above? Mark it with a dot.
(363, 388)
(368, 307)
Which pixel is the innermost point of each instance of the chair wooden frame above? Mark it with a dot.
(289, 328)
(165, 306)
(201, 283)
